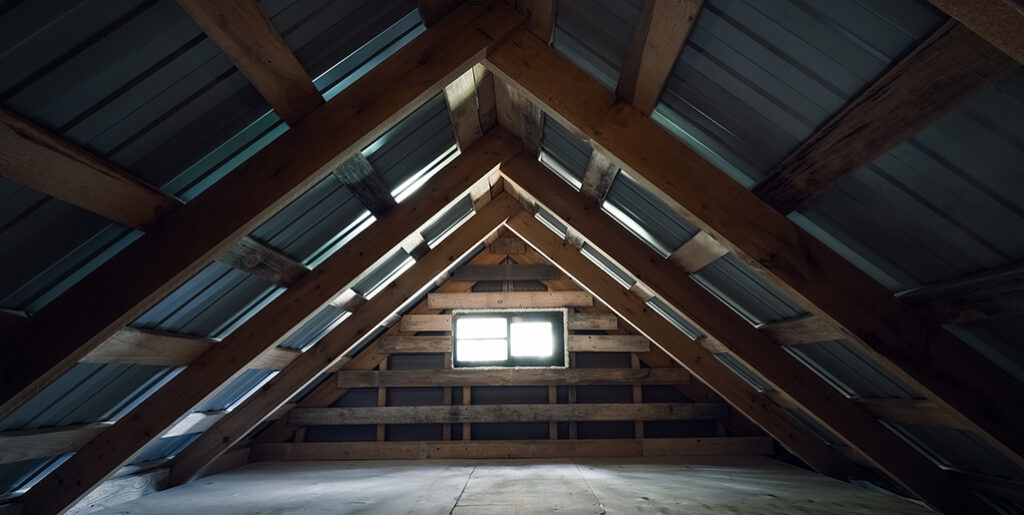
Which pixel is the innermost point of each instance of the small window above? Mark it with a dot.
(508, 339)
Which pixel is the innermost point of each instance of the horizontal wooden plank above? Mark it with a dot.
(698, 252)
(35, 158)
(508, 413)
(27, 444)
(509, 300)
(403, 344)
(508, 377)
(262, 261)
(799, 330)
(593, 322)
(597, 448)
(577, 322)
(608, 343)
(911, 411)
(985, 295)
(138, 347)
(506, 272)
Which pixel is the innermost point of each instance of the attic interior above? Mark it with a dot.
(379, 256)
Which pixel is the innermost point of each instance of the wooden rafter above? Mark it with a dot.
(335, 344)
(540, 16)
(519, 116)
(845, 418)
(266, 329)
(365, 183)
(131, 346)
(772, 418)
(247, 37)
(178, 246)
(27, 444)
(598, 177)
(998, 21)
(36, 158)
(471, 105)
(942, 72)
(254, 257)
(698, 252)
(903, 342)
(369, 358)
(46, 163)
(660, 33)
(985, 295)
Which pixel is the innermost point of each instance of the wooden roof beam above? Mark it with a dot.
(842, 416)
(247, 37)
(27, 444)
(773, 419)
(339, 341)
(941, 73)
(366, 184)
(910, 411)
(985, 295)
(32, 156)
(903, 342)
(368, 359)
(471, 105)
(540, 17)
(660, 33)
(271, 325)
(998, 21)
(50, 342)
(131, 346)
(598, 177)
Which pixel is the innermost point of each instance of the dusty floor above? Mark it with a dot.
(627, 485)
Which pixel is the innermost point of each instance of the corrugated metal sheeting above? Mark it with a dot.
(138, 84)
(756, 78)
(943, 204)
(595, 35)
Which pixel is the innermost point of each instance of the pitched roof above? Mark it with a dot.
(149, 183)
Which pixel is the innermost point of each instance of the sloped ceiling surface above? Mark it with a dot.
(141, 86)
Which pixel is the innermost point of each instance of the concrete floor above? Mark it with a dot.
(627, 485)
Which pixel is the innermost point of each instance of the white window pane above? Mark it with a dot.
(480, 350)
(532, 339)
(479, 327)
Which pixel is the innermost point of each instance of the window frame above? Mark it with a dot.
(557, 316)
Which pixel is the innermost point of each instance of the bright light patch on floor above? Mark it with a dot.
(532, 340)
